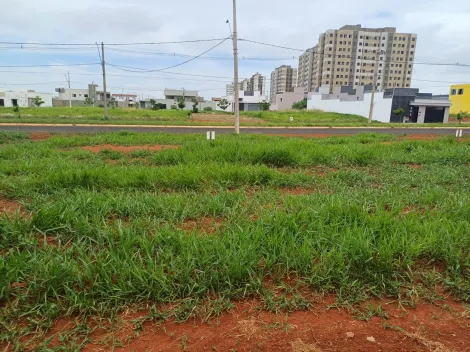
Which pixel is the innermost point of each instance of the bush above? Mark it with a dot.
(173, 107)
(208, 108)
(277, 158)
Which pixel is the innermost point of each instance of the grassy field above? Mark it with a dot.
(177, 117)
(212, 222)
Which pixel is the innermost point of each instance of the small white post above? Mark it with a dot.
(208, 135)
(291, 119)
(213, 135)
(457, 133)
(461, 133)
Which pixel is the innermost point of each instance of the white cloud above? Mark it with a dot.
(442, 29)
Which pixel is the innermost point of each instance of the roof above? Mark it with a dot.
(430, 102)
(124, 95)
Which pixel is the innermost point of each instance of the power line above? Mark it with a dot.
(29, 84)
(61, 65)
(167, 68)
(114, 44)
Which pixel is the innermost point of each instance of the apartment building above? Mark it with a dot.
(356, 56)
(283, 79)
(229, 89)
(258, 83)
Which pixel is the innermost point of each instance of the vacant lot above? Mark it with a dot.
(95, 115)
(244, 243)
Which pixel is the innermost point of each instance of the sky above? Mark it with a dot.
(442, 29)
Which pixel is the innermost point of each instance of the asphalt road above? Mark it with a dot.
(252, 130)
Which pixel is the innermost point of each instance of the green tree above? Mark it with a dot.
(181, 103)
(223, 104)
(16, 109)
(195, 103)
(112, 102)
(153, 104)
(38, 101)
(398, 111)
(460, 116)
(264, 105)
(300, 105)
(88, 101)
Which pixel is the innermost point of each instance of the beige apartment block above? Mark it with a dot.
(283, 79)
(352, 56)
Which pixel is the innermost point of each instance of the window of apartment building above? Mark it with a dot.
(337, 83)
(453, 92)
(331, 35)
(380, 71)
(74, 95)
(407, 85)
(327, 82)
(367, 44)
(327, 76)
(329, 49)
(461, 91)
(412, 46)
(360, 44)
(349, 42)
(383, 38)
(360, 37)
(350, 36)
(331, 42)
(341, 36)
(394, 45)
(393, 52)
(402, 52)
(360, 50)
(357, 77)
(391, 65)
(85, 95)
(413, 39)
(411, 52)
(328, 69)
(383, 45)
(408, 79)
(358, 70)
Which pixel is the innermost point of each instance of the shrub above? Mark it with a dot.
(208, 108)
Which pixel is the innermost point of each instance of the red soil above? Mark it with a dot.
(441, 327)
(39, 136)
(128, 149)
(415, 166)
(205, 224)
(8, 207)
(297, 191)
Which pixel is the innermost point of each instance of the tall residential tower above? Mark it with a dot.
(283, 79)
(352, 56)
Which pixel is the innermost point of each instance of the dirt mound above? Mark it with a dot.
(128, 149)
(39, 136)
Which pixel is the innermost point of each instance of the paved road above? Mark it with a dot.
(251, 130)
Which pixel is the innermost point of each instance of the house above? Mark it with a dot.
(394, 105)
(125, 100)
(248, 101)
(460, 98)
(24, 98)
(77, 96)
(284, 101)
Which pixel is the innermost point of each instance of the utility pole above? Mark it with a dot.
(105, 98)
(235, 70)
(70, 91)
(374, 85)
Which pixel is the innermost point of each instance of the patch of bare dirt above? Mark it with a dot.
(40, 136)
(201, 117)
(415, 166)
(128, 149)
(206, 224)
(308, 135)
(420, 137)
(439, 327)
(9, 207)
(297, 191)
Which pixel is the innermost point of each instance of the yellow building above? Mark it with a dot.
(460, 98)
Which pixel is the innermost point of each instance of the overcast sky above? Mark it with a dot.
(442, 28)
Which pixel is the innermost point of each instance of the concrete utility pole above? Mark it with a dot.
(105, 98)
(374, 85)
(70, 91)
(235, 70)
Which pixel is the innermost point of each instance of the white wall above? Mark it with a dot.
(382, 107)
(68, 94)
(23, 98)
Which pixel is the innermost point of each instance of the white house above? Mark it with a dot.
(24, 98)
(249, 101)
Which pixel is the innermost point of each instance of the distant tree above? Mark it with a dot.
(208, 108)
(460, 116)
(264, 105)
(398, 111)
(223, 104)
(181, 103)
(173, 107)
(195, 103)
(16, 109)
(88, 101)
(38, 101)
(300, 105)
(153, 104)
(112, 102)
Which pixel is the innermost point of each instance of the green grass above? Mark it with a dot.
(165, 117)
(99, 232)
